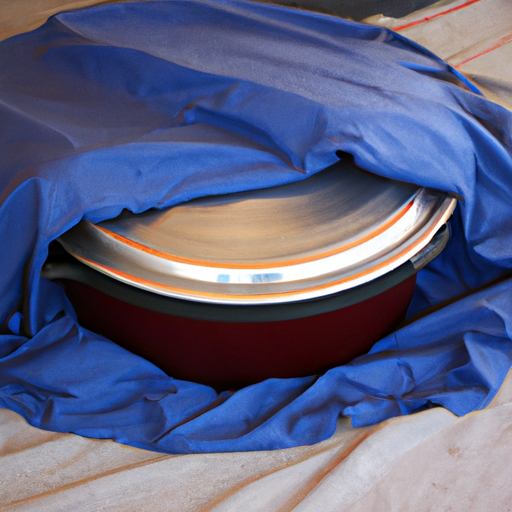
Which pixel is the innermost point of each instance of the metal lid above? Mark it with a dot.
(333, 231)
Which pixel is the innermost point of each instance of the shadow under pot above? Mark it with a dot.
(281, 282)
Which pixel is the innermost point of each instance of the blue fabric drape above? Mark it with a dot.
(148, 104)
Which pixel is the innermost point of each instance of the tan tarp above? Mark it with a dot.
(430, 461)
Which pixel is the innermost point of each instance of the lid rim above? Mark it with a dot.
(72, 269)
(262, 290)
(340, 228)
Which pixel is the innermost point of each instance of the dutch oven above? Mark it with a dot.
(281, 282)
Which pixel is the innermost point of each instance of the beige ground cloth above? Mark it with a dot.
(474, 36)
(430, 461)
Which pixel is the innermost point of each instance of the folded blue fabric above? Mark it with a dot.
(148, 104)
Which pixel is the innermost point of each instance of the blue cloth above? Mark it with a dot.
(148, 104)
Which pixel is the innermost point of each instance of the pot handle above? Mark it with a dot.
(433, 249)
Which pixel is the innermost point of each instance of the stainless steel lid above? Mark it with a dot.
(339, 229)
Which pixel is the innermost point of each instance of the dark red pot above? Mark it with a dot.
(234, 354)
(282, 282)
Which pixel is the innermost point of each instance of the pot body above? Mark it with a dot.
(235, 354)
(274, 283)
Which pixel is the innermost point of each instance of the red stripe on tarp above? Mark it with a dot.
(428, 18)
(503, 41)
